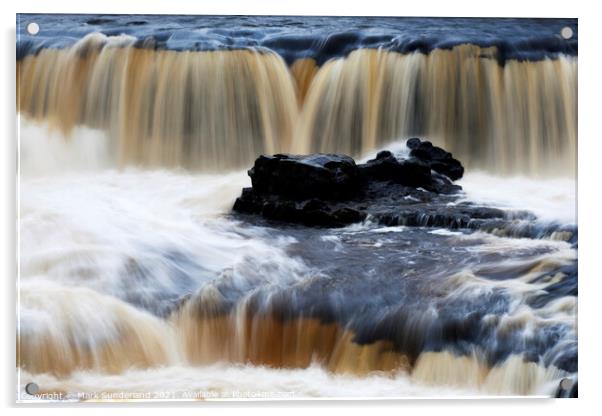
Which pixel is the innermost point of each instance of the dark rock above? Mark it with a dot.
(311, 212)
(405, 172)
(436, 158)
(441, 184)
(247, 202)
(348, 215)
(410, 172)
(384, 154)
(413, 143)
(332, 191)
(301, 177)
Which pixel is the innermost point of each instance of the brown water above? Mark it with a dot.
(137, 280)
(218, 110)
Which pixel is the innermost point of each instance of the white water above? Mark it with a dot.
(232, 381)
(43, 151)
(551, 199)
(81, 220)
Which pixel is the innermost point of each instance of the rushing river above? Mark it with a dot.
(137, 281)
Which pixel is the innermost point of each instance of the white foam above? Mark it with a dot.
(82, 229)
(552, 199)
(235, 381)
(44, 151)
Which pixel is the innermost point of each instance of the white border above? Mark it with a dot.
(590, 297)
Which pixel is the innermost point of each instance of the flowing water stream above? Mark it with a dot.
(137, 281)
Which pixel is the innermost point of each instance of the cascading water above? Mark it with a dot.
(203, 110)
(218, 109)
(133, 270)
(516, 118)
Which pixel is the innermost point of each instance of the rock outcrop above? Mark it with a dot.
(333, 191)
(436, 158)
(301, 177)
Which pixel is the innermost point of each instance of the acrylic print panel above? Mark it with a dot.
(234, 207)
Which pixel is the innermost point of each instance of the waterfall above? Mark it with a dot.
(136, 275)
(201, 110)
(215, 110)
(519, 117)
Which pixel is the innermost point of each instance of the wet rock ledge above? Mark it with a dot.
(331, 190)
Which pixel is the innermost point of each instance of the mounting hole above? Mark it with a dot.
(33, 28)
(566, 32)
(566, 383)
(32, 388)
